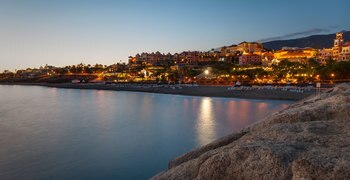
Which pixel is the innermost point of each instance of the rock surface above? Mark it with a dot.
(308, 140)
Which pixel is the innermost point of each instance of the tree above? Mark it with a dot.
(174, 76)
(7, 71)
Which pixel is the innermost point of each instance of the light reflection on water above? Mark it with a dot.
(206, 122)
(49, 133)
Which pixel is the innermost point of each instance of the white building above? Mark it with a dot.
(324, 54)
(341, 51)
(345, 53)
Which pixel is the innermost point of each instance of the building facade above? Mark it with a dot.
(300, 55)
(324, 54)
(250, 59)
(249, 47)
(345, 52)
(337, 46)
(266, 58)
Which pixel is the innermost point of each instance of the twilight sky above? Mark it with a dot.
(64, 32)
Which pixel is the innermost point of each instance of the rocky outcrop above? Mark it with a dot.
(308, 140)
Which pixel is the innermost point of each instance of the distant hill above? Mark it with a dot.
(314, 41)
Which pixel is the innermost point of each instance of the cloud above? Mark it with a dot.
(296, 34)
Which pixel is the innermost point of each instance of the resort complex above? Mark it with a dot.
(249, 53)
(246, 62)
(167, 90)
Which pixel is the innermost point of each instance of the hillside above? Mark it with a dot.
(308, 140)
(315, 41)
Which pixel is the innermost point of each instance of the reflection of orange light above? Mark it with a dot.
(54, 91)
(206, 122)
(100, 92)
(262, 106)
(194, 103)
(244, 110)
(284, 106)
(232, 112)
(186, 105)
(146, 109)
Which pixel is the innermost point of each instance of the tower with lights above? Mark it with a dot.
(338, 44)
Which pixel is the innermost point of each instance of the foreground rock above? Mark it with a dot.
(308, 140)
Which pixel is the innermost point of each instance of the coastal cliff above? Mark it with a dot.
(308, 140)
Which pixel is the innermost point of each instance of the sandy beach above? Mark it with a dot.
(208, 91)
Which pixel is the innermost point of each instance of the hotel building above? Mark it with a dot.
(300, 55)
(250, 59)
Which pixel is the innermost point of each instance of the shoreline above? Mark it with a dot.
(304, 141)
(202, 91)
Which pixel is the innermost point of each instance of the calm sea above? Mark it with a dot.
(49, 133)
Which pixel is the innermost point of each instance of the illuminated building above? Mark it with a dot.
(266, 58)
(250, 59)
(151, 58)
(249, 47)
(324, 54)
(337, 46)
(340, 49)
(228, 51)
(300, 55)
(345, 52)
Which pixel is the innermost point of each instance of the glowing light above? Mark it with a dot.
(206, 122)
(206, 72)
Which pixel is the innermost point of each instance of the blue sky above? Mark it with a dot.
(39, 32)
